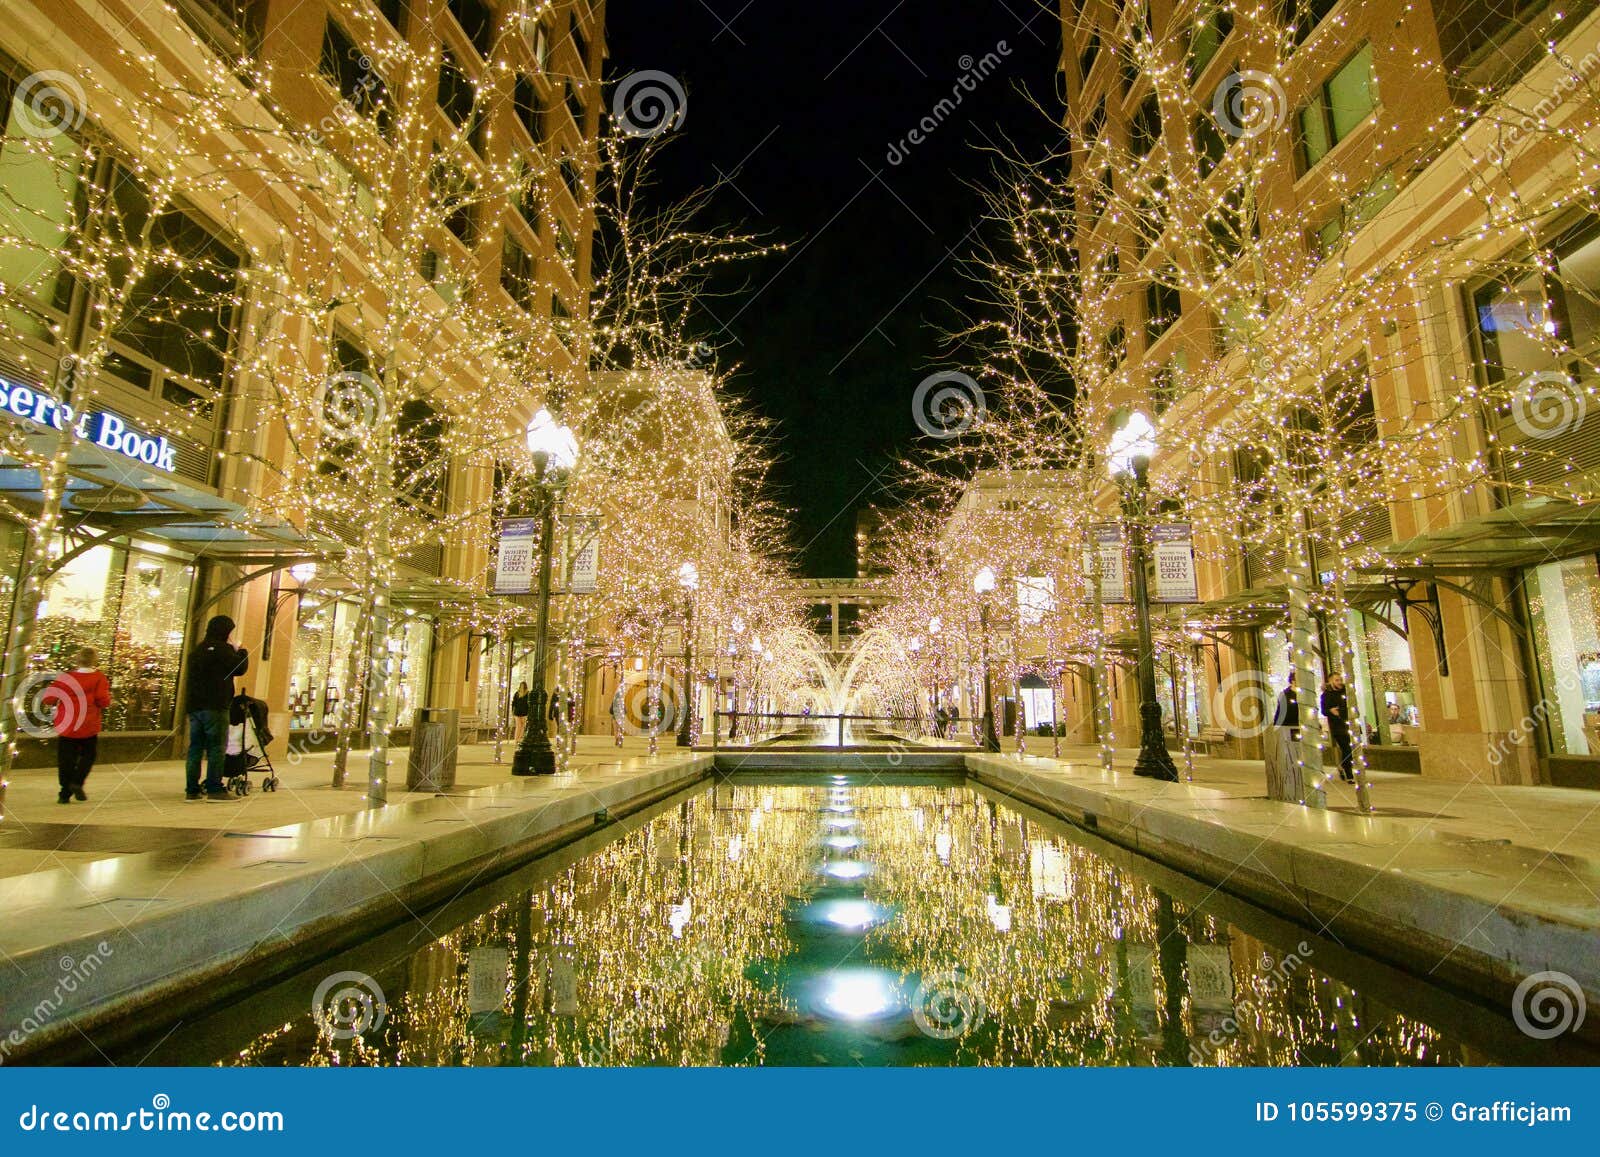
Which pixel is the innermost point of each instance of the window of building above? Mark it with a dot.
(1145, 129)
(1210, 146)
(458, 98)
(529, 107)
(566, 245)
(421, 460)
(1340, 105)
(177, 329)
(1355, 213)
(1095, 124)
(575, 105)
(457, 199)
(1564, 606)
(1087, 57)
(1116, 347)
(40, 176)
(539, 45)
(1301, 17)
(572, 177)
(349, 69)
(322, 647)
(517, 273)
(477, 21)
(1384, 698)
(1168, 382)
(394, 11)
(1163, 307)
(1210, 33)
(1543, 315)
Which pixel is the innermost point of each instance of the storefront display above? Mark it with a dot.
(129, 602)
(321, 665)
(1564, 606)
(1385, 695)
(410, 649)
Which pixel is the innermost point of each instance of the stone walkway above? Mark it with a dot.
(141, 807)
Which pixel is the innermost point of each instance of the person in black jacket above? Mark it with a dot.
(1287, 712)
(213, 666)
(1336, 710)
(519, 710)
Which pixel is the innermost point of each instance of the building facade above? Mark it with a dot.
(165, 522)
(1472, 603)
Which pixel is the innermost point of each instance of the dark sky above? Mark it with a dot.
(800, 105)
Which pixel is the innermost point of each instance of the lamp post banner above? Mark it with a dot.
(1106, 540)
(513, 572)
(1172, 544)
(583, 554)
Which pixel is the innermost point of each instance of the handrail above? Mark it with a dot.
(736, 717)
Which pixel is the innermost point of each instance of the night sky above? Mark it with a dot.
(800, 105)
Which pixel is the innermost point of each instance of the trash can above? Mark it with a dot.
(435, 738)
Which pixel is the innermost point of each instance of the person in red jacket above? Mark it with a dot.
(78, 696)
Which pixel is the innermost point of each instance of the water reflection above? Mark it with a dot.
(744, 927)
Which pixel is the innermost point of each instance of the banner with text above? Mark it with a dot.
(1172, 545)
(583, 551)
(513, 572)
(1105, 540)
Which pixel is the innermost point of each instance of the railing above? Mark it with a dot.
(746, 728)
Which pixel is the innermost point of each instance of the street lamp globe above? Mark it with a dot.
(915, 644)
(935, 625)
(553, 446)
(303, 572)
(1135, 441)
(984, 581)
(689, 577)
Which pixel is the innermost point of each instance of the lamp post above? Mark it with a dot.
(689, 580)
(554, 451)
(983, 584)
(1128, 460)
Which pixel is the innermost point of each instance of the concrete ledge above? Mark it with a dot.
(1478, 916)
(87, 949)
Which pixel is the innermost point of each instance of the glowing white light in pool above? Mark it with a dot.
(858, 995)
(999, 914)
(852, 915)
(735, 848)
(845, 869)
(941, 845)
(841, 809)
(841, 823)
(678, 917)
(842, 843)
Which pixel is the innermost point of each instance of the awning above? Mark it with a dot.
(1528, 532)
(161, 506)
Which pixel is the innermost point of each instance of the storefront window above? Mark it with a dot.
(130, 605)
(1386, 685)
(410, 644)
(1564, 604)
(321, 665)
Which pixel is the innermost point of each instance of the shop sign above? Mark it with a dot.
(513, 572)
(1172, 544)
(583, 553)
(106, 429)
(107, 500)
(1106, 541)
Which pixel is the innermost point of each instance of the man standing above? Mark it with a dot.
(212, 668)
(1336, 709)
(79, 697)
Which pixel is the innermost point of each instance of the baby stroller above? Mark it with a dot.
(246, 747)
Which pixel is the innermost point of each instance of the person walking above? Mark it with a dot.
(213, 665)
(1335, 704)
(519, 711)
(955, 720)
(941, 721)
(79, 697)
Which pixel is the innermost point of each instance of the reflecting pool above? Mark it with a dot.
(745, 925)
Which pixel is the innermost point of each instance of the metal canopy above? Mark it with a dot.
(1526, 533)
